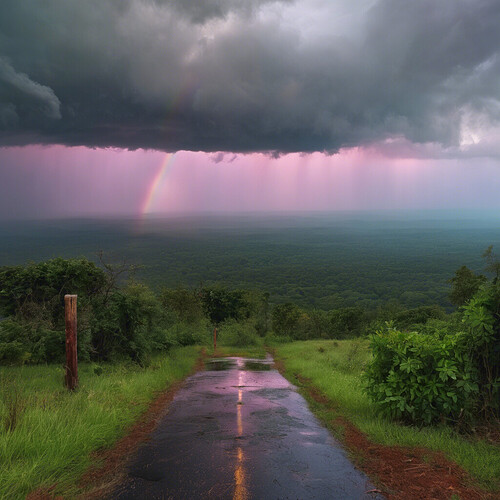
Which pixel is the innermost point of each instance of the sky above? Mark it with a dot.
(112, 107)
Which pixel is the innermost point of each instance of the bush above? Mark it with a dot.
(418, 316)
(188, 333)
(185, 303)
(36, 291)
(434, 375)
(25, 342)
(235, 334)
(482, 320)
(422, 379)
(347, 322)
(285, 319)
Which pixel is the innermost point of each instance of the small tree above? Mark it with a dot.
(347, 322)
(220, 304)
(492, 263)
(464, 285)
(185, 303)
(36, 292)
(285, 319)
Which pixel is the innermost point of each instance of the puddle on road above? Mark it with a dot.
(217, 364)
(220, 364)
(257, 365)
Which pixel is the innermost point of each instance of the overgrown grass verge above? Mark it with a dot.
(334, 368)
(55, 432)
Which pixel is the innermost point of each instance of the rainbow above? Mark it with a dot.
(152, 191)
(179, 99)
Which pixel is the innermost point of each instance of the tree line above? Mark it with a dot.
(120, 317)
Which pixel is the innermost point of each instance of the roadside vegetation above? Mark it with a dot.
(47, 434)
(132, 344)
(420, 381)
(336, 368)
(418, 377)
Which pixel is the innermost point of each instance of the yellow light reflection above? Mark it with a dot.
(239, 420)
(240, 490)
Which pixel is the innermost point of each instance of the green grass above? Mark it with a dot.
(56, 431)
(334, 367)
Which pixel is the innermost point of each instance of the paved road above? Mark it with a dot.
(240, 433)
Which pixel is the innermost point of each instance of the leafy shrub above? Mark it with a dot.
(434, 375)
(482, 319)
(13, 353)
(36, 291)
(285, 318)
(464, 285)
(185, 303)
(419, 315)
(347, 322)
(27, 342)
(237, 334)
(422, 378)
(188, 333)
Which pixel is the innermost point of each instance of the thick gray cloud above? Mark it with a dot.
(201, 12)
(261, 75)
(18, 90)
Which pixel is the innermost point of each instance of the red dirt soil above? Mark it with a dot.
(399, 472)
(101, 479)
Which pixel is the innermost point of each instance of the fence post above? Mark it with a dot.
(215, 338)
(71, 378)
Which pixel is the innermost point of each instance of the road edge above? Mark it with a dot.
(398, 472)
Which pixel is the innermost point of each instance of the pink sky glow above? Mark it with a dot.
(38, 181)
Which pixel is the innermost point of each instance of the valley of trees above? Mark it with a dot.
(427, 365)
(421, 291)
(121, 317)
(315, 262)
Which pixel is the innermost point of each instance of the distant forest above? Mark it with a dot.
(316, 262)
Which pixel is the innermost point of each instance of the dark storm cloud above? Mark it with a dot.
(17, 90)
(200, 12)
(234, 75)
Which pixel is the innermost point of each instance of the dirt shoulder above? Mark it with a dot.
(398, 472)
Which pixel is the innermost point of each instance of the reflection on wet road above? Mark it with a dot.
(240, 431)
(240, 489)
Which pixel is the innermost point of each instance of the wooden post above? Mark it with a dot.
(215, 338)
(71, 378)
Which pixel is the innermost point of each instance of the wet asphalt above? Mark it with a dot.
(239, 430)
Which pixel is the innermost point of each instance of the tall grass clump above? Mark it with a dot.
(47, 433)
(12, 404)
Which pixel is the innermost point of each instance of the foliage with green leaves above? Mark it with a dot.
(418, 316)
(481, 317)
(113, 322)
(184, 302)
(220, 304)
(422, 379)
(285, 319)
(434, 375)
(36, 291)
(464, 285)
